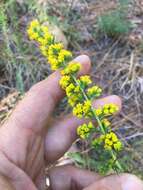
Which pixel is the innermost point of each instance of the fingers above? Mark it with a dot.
(70, 177)
(117, 182)
(63, 133)
(34, 110)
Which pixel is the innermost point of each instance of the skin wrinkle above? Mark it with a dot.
(28, 132)
(16, 175)
(34, 157)
(74, 177)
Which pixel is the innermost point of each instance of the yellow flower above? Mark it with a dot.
(35, 23)
(87, 108)
(77, 89)
(85, 80)
(109, 109)
(94, 91)
(73, 99)
(105, 123)
(98, 111)
(78, 110)
(85, 130)
(44, 29)
(108, 142)
(39, 33)
(54, 63)
(90, 125)
(106, 110)
(53, 52)
(118, 146)
(57, 56)
(114, 137)
(64, 55)
(112, 142)
(33, 30)
(65, 81)
(71, 68)
(54, 49)
(44, 50)
(70, 89)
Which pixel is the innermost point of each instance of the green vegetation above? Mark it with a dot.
(16, 51)
(114, 23)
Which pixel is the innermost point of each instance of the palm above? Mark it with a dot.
(29, 140)
(28, 145)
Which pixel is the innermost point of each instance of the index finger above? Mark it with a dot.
(35, 109)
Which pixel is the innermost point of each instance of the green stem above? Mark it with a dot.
(116, 161)
(99, 123)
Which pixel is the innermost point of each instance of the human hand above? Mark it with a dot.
(31, 139)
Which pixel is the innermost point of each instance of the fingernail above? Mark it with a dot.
(83, 58)
(132, 183)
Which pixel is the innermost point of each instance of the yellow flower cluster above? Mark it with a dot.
(107, 109)
(80, 91)
(65, 81)
(105, 123)
(109, 140)
(57, 55)
(33, 30)
(83, 110)
(112, 142)
(54, 52)
(94, 91)
(84, 130)
(72, 68)
(70, 89)
(74, 99)
(85, 80)
(40, 34)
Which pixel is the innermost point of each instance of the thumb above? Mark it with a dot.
(117, 182)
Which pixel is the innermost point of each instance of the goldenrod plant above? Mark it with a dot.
(80, 92)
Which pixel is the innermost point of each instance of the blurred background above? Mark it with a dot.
(109, 31)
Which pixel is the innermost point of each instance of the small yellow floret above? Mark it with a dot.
(64, 55)
(33, 30)
(53, 53)
(78, 110)
(70, 90)
(85, 80)
(73, 99)
(98, 111)
(109, 109)
(112, 142)
(65, 81)
(34, 23)
(94, 91)
(72, 68)
(84, 130)
(87, 108)
(105, 123)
